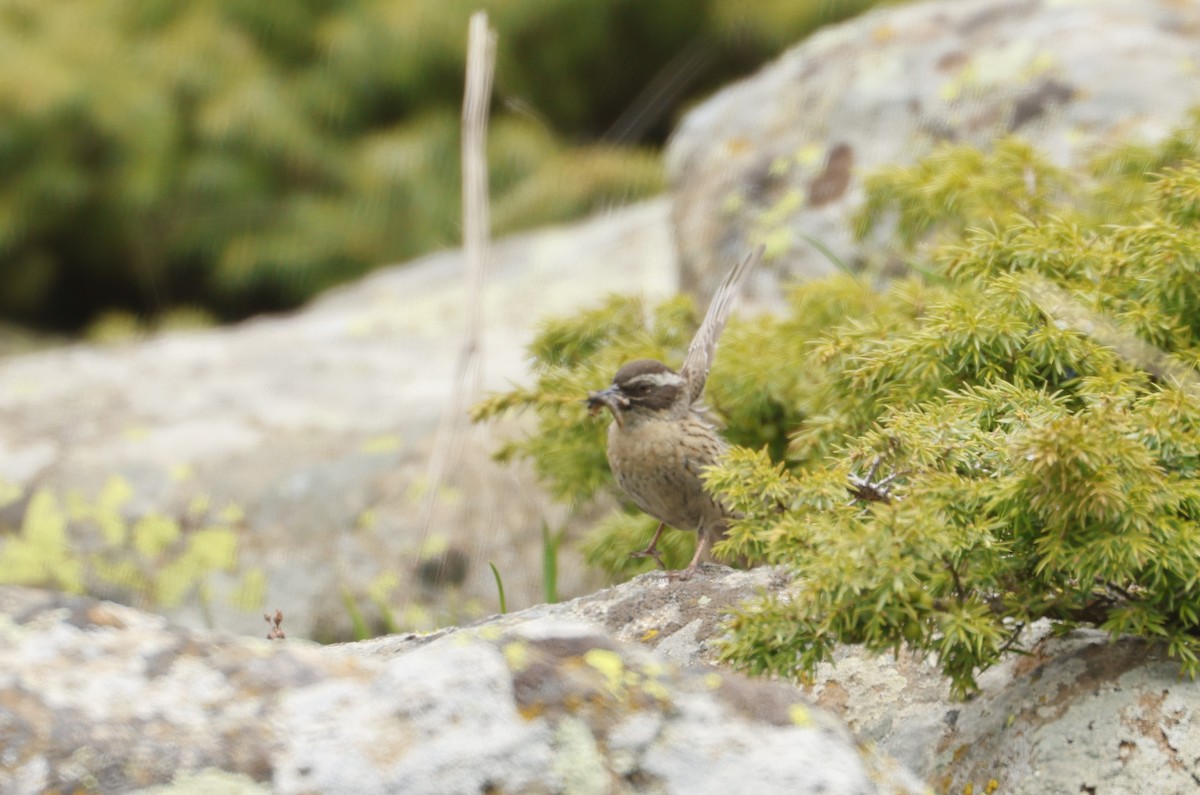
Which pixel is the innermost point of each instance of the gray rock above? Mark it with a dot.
(1081, 714)
(1076, 713)
(98, 696)
(307, 436)
(612, 692)
(682, 621)
(780, 156)
(1073, 714)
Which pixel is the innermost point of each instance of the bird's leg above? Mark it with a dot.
(703, 545)
(651, 551)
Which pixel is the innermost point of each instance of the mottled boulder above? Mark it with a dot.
(611, 692)
(1078, 713)
(302, 443)
(780, 156)
(99, 697)
(1073, 713)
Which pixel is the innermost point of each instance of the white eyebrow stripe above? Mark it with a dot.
(656, 379)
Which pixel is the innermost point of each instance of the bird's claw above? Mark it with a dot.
(682, 575)
(650, 552)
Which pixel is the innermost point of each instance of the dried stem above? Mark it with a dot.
(447, 443)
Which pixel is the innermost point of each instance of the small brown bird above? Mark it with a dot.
(659, 442)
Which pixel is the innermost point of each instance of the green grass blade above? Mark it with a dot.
(550, 542)
(499, 587)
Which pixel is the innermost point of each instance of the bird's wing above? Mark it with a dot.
(703, 349)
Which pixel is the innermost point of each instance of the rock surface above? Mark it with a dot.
(780, 156)
(611, 692)
(1078, 713)
(99, 697)
(307, 436)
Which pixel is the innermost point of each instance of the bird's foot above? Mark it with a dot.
(682, 575)
(650, 552)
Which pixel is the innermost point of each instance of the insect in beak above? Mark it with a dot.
(610, 398)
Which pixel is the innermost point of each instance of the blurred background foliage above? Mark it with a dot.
(230, 157)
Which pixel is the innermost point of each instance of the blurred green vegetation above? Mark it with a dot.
(235, 156)
(1010, 433)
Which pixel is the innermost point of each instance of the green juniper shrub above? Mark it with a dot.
(1011, 434)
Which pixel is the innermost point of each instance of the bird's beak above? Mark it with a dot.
(610, 398)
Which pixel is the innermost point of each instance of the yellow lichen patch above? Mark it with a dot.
(516, 654)
(712, 681)
(78, 506)
(778, 242)
(649, 635)
(416, 614)
(656, 690)
(199, 505)
(181, 472)
(181, 562)
(810, 154)
(951, 89)
(121, 573)
(1040, 64)
(531, 711)
(213, 547)
(9, 493)
(992, 786)
(111, 525)
(474, 608)
(40, 554)
(251, 592)
(232, 513)
(106, 513)
(799, 715)
(779, 166)
(379, 445)
(136, 433)
(610, 665)
(435, 544)
(153, 534)
(382, 586)
(489, 633)
(787, 206)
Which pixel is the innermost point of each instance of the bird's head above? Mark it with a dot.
(642, 388)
